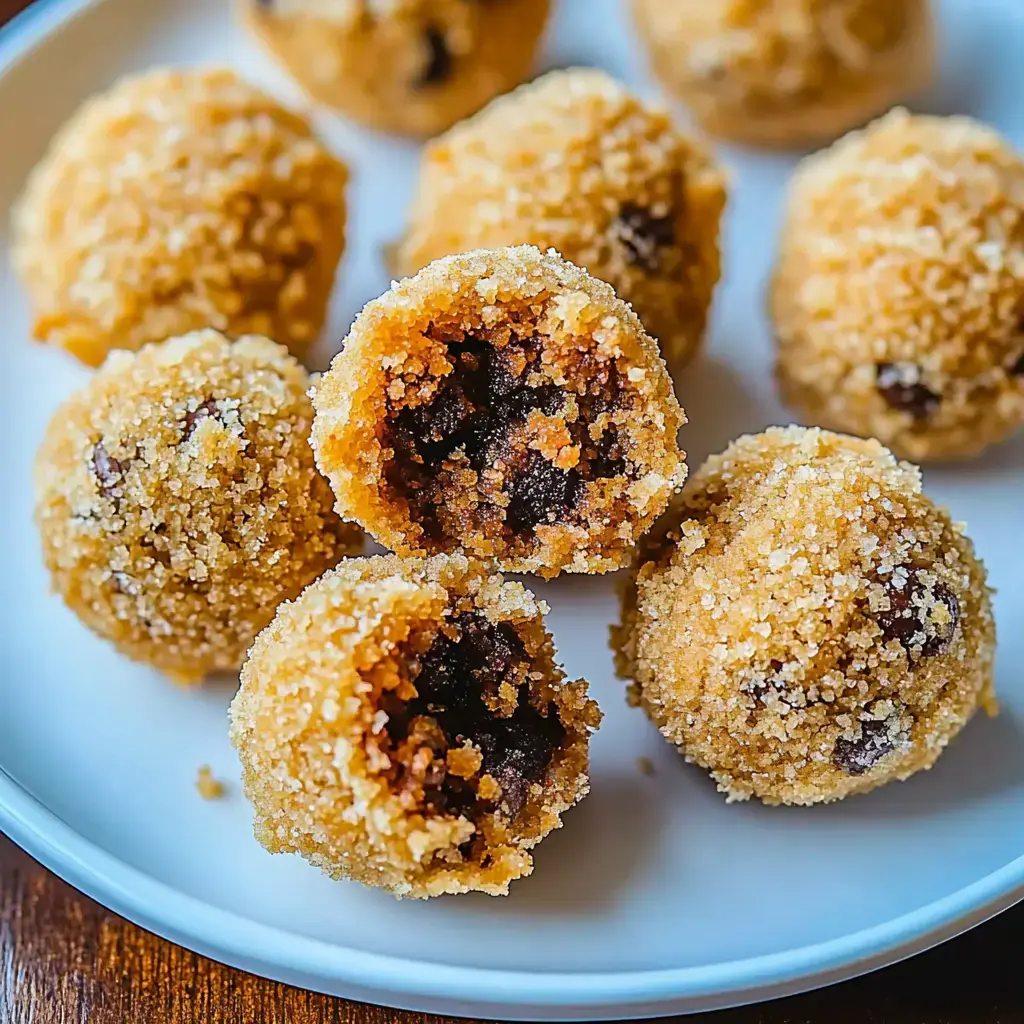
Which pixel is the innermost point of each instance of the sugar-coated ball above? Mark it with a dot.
(505, 403)
(178, 501)
(807, 624)
(788, 72)
(180, 200)
(898, 295)
(577, 163)
(408, 66)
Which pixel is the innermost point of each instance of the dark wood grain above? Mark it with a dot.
(64, 958)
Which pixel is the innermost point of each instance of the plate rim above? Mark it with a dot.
(286, 956)
(292, 958)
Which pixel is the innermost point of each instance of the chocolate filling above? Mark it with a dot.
(457, 682)
(474, 421)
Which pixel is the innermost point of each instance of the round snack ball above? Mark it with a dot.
(575, 162)
(409, 66)
(178, 501)
(806, 624)
(176, 201)
(788, 72)
(505, 403)
(898, 296)
(404, 724)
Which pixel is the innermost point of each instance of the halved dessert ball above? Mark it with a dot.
(404, 724)
(506, 403)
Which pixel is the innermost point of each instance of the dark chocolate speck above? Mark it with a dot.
(855, 757)
(909, 619)
(439, 64)
(109, 472)
(194, 418)
(644, 236)
(915, 398)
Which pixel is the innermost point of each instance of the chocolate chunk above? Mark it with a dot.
(469, 418)
(914, 398)
(644, 236)
(855, 757)
(910, 618)
(399, 716)
(491, 648)
(1017, 369)
(194, 418)
(109, 472)
(517, 752)
(541, 493)
(440, 63)
(609, 456)
(475, 418)
(453, 678)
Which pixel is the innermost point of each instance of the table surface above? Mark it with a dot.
(65, 958)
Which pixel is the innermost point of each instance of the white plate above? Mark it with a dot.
(656, 896)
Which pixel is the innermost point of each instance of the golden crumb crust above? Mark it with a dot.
(575, 162)
(806, 624)
(404, 724)
(408, 66)
(178, 502)
(898, 295)
(788, 72)
(180, 200)
(505, 403)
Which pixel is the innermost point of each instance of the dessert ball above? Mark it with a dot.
(505, 403)
(409, 66)
(404, 724)
(178, 501)
(176, 201)
(574, 161)
(806, 624)
(898, 295)
(788, 72)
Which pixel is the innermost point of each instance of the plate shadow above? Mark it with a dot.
(590, 862)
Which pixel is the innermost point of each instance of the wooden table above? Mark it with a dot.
(64, 958)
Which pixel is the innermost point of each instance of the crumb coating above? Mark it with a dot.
(898, 295)
(409, 66)
(806, 624)
(404, 724)
(505, 403)
(176, 201)
(788, 72)
(178, 501)
(575, 162)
